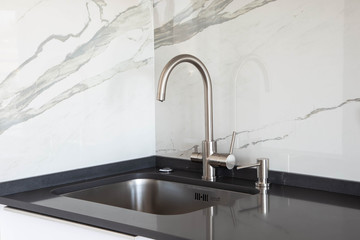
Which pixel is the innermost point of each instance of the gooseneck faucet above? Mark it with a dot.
(164, 77)
(209, 157)
(209, 143)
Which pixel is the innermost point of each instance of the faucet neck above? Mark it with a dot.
(208, 105)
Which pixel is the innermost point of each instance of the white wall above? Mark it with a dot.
(76, 84)
(285, 77)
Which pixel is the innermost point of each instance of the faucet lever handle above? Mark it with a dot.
(232, 142)
(227, 160)
(217, 159)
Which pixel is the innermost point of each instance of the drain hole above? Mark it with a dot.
(201, 197)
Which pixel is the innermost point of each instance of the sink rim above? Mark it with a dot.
(217, 192)
(159, 197)
(71, 187)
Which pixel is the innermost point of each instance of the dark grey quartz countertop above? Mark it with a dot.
(290, 213)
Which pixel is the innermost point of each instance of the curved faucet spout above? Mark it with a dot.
(164, 77)
(210, 159)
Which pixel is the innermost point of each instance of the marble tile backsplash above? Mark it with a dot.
(285, 76)
(76, 84)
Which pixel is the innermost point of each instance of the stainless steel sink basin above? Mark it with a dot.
(156, 196)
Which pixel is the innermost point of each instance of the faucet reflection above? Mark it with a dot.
(238, 211)
(263, 201)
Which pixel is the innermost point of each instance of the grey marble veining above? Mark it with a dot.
(101, 4)
(39, 50)
(76, 89)
(302, 118)
(298, 104)
(29, 10)
(276, 138)
(182, 153)
(76, 80)
(16, 110)
(180, 29)
(324, 109)
(264, 140)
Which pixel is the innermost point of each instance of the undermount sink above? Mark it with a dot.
(156, 196)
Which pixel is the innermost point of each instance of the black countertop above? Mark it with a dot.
(283, 213)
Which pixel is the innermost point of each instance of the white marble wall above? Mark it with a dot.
(76, 84)
(286, 78)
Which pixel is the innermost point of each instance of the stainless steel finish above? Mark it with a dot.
(196, 157)
(210, 225)
(210, 158)
(247, 166)
(262, 172)
(196, 148)
(209, 145)
(263, 201)
(209, 148)
(157, 196)
(164, 77)
(223, 160)
(232, 142)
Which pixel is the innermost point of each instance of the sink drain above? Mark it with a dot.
(166, 170)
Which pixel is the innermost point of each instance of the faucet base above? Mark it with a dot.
(210, 177)
(209, 148)
(260, 185)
